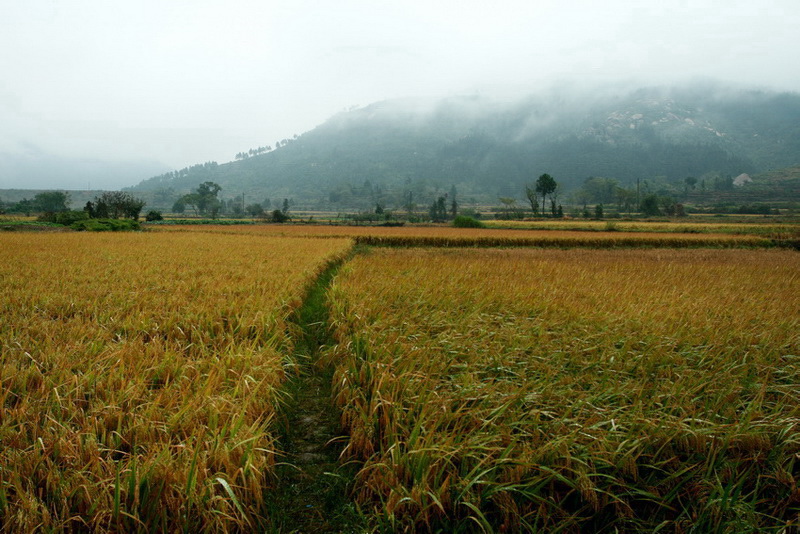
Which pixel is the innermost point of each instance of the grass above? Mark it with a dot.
(313, 489)
(572, 391)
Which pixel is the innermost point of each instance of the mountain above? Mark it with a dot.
(391, 151)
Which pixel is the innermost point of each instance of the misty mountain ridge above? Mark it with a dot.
(394, 150)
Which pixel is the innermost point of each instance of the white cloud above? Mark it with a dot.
(188, 81)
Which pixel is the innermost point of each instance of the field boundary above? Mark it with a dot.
(313, 485)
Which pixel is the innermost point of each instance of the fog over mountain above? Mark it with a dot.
(486, 148)
(181, 82)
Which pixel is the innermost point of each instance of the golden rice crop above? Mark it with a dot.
(569, 389)
(139, 376)
(759, 226)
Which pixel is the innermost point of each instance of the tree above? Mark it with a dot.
(453, 202)
(192, 200)
(598, 211)
(51, 201)
(438, 210)
(279, 217)
(626, 199)
(207, 198)
(117, 205)
(599, 190)
(25, 206)
(204, 200)
(649, 206)
(255, 210)
(509, 206)
(691, 182)
(545, 185)
(532, 195)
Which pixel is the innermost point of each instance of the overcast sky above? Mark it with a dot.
(184, 82)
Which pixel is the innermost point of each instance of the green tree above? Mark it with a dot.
(453, 202)
(438, 210)
(649, 206)
(279, 217)
(598, 211)
(25, 206)
(203, 201)
(192, 200)
(545, 185)
(255, 210)
(117, 205)
(626, 199)
(599, 190)
(532, 195)
(207, 198)
(51, 201)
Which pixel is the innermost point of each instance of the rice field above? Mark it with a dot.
(572, 390)
(563, 381)
(693, 225)
(140, 376)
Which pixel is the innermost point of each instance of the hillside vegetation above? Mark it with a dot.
(410, 151)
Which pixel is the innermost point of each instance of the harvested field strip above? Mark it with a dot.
(140, 377)
(572, 390)
(552, 241)
(432, 236)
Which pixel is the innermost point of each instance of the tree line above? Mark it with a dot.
(54, 207)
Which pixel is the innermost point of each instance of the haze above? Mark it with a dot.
(169, 84)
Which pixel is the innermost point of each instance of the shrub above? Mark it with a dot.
(279, 217)
(105, 225)
(63, 217)
(462, 221)
(154, 215)
(67, 218)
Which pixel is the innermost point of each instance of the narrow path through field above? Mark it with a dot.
(313, 487)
